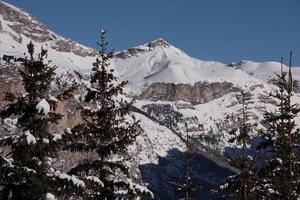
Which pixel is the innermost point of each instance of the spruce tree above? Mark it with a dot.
(240, 186)
(280, 174)
(25, 173)
(106, 130)
(187, 186)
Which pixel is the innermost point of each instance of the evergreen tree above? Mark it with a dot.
(280, 173)
(25, 173)
(240, 186)
(188, 186)
(106, 130)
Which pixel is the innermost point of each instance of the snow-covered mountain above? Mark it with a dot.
(158, 61)
(171, 87)
(18, 27)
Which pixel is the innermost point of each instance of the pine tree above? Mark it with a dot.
(25, 173)
(240, 186)
(187, 187)
(280, 173)
(107, 131)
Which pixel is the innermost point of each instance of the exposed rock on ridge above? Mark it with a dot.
(135, 51)
(200, 92)
(23, 24)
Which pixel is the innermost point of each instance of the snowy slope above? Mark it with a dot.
(158, 140)
(166, 63)
(170, 65)
(156, 61)
(17, 28)
(265, 71)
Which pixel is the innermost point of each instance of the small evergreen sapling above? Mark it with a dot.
(240, 186)
(188, 186)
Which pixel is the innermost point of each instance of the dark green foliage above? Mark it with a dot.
(27, 173)
(280, 173)
(105, 131)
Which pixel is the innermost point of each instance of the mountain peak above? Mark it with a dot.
(148, 47)
(158, 42)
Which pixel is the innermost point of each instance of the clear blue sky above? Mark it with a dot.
(222, 30)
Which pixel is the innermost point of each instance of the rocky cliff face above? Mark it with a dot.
(10, 81)
(22, 24)
(200, 92)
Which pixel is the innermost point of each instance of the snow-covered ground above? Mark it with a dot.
(157, 61)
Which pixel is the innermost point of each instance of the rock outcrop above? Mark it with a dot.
(11, 81)
(200, 92)
(23, 24)
(135, 51)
